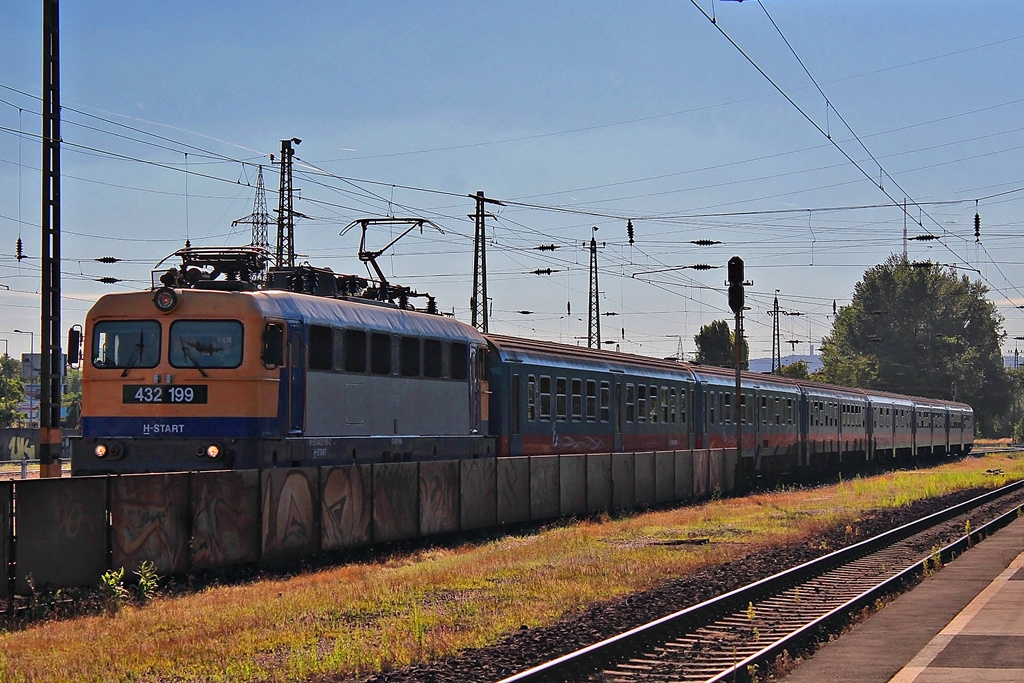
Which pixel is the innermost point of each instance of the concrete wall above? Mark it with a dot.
(202, 520)
(572, 484)
(545, 494)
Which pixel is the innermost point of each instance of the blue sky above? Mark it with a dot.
(576, 114)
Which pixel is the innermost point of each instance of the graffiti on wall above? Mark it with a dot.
(345, 506)
(60, 519)
(289, 521)
(149, 522)
(16, 444)
(225, 515)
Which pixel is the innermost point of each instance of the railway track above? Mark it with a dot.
(740, 635)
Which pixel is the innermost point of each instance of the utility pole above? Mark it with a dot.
(594, 311)
(285, 257)
(478, 301)
(260, 220)
(50, 436)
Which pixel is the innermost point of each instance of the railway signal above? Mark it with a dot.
(736, 304)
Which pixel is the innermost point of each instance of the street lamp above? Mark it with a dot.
(32, 369)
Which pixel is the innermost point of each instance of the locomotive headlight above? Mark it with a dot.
(212, 451)
(165, 299)
(112, 451)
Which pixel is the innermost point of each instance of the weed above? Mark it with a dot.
(967, 532)
(41, 602)
(149, 581)
(752, 673)
(115, 595)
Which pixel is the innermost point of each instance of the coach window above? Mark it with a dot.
(355, 351)
(778, 414)
(711, 407)
(641, 403)
(560, 398)
(606, 401)
(671, 405)
(545, 398)
(727, 408)
(338, 342)
(577, 400)
(126, 344)
(682, 406)
(789, 411)
(201, 344)
(321, 348)
(653, 404)
(591, 400)
(433, 354)
(764, 410)
(380, 354)
(743, 408)
(630, 403)
(531, 398)
(409, 356)
(459, 360)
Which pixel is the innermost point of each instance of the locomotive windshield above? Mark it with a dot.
(126, 344)
(206, 344)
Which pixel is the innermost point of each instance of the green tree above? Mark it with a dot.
(715, 345)
(923, 331)
(72, 399)
(797, 370)
(12, 391)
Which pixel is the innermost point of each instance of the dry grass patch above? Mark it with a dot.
(375, 616)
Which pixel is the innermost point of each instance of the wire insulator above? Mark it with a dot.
(19, 252)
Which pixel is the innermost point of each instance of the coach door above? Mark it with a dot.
(617, 416)
(296, 373)
(479, 390)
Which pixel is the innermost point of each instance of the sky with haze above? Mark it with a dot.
(791, 131)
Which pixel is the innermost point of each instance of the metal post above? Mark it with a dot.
(738, 350)
(594, 310)
(478, 301)
(51, 372)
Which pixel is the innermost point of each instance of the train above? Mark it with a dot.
(209, 370)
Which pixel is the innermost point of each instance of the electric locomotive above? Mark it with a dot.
(219, 374)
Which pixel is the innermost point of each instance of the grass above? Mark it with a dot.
(367, 617)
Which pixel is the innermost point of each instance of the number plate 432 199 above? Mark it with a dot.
(164, 393)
